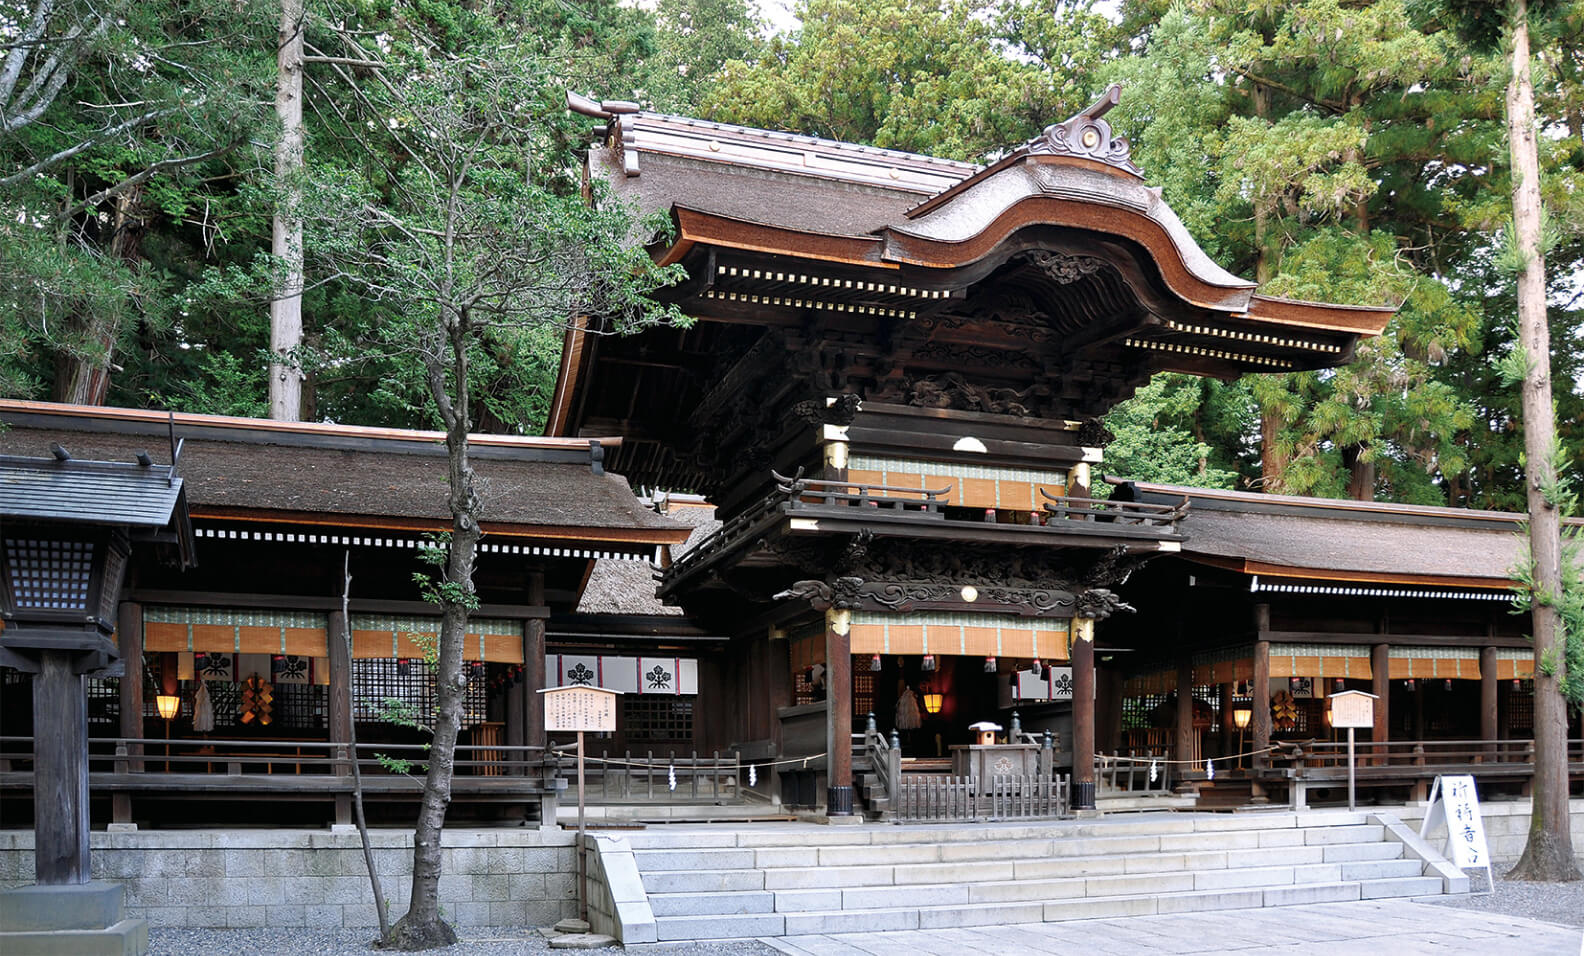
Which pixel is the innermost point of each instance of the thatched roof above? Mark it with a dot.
(374, 477)
(1322, 538)
(628, 587)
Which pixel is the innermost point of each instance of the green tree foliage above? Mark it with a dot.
(960, 78)
(1181, 430)
(127, 127)
(1335, 155)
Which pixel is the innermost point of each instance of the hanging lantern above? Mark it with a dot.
(1036, 668)
(928, 664)
(167, 705)
(933, 702)
(875, 663)
(990, 665)
(1448, 683)
(1409, 683)
(1292, 683)
(1517, 685)
(1337, 684)
(403, 666)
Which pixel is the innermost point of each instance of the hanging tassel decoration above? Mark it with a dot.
(753, 775)
(671, 777)
(1154, 770)
(1209, 770)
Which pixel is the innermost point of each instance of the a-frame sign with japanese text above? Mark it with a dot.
(1455, 802)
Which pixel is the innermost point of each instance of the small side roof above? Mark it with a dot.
(88, 492)
(1328, 539)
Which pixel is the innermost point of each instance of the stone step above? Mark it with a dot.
(957, 914)
(1404, 886)
(1358, 852)
(712, 903)
(701, 881)
(1132, 826)
(671, 928)
(740, 857)
(1382, 869)
(973, 893)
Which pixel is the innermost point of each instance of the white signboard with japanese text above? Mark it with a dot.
(1352, 708)
(1455, 803)
(579, 708)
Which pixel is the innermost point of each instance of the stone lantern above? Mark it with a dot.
(68, 530)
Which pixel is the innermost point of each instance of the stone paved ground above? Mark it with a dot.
(1372, 928)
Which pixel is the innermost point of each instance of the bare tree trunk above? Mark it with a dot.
(286, 238)
(1549, 852)
(381, 909)
(422, 927)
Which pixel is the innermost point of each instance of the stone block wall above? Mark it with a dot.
(1506, 827)
(316, 878)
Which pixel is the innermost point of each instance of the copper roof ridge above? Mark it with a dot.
(1324, 305)
(241, 424)
(1352, 507)
(836, 145)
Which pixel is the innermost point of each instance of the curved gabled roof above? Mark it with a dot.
(778, 192)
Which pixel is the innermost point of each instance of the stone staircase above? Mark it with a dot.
(789, 880)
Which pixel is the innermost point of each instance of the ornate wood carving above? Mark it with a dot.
(1088, 136)
(1093, 434)
(952, 390)
(905, 576)
(1065, 269)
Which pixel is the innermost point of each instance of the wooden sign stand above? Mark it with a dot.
(1352, 709)
(580, 709)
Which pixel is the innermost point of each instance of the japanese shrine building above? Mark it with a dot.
(892, 393)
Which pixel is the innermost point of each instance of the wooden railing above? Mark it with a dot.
(942, 798)
(811, 492)
(646, 777)
(152, 757)
(1417, 757)
(1143, 513)
(1129, 771)
(945, 797)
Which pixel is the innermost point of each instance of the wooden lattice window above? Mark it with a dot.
(863, 684)
(104, 706)
(649, 718)
(376, 680)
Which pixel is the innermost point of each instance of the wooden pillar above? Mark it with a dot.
(838, 719)
(1259, 694)
(1228, 729)
(1380, 686)
(1488, 730)
(534, 665)
(129, 638)
(1184, 744)
(60, 775)
(1082, 653)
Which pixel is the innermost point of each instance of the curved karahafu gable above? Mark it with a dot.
(1047, 285)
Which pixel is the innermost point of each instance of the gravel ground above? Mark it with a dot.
(355, 942)
(1553, 902)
